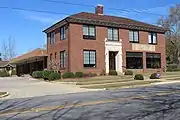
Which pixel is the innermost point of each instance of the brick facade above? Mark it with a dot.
(74, 44)
(74, 54)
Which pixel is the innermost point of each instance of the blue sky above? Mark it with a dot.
(26, 27)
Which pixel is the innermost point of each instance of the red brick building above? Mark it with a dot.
(94, 42)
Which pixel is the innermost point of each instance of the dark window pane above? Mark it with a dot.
(153, 60)
(134, 60)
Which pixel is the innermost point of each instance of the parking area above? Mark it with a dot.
(20, 87)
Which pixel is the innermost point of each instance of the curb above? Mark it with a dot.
(151, 84)
(166, 82)
(5, 95)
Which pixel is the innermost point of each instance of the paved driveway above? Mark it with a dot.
(20, 87)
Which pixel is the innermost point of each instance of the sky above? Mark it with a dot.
(25, 27)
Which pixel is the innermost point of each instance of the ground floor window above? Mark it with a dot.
(134, 60)
(62, 59)
(89, 58)
(153, 60)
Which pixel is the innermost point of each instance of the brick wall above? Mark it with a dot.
(76, 43)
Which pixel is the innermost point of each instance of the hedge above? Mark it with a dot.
(68, 75)
(54, 76)
(112, 72)
(128, 72)
(46, 74)
(154, 76)
(37, 74)
(138, 77)
(79, 74)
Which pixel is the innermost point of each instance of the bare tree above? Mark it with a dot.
(172, 23)
(8, 49)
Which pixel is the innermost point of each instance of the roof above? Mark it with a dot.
(35, 53)
(5, 63)
(107, 20)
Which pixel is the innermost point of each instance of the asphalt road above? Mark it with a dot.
(160, 102)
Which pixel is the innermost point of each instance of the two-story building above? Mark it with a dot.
(94, 42)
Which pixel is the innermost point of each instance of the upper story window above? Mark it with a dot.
(52, 38)
(89, 32)
(63, 33)
(113, 34)
(134, 36)
(152, 38)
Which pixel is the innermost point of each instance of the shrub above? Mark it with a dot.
(112, 72)
(4, 74)
(154, 76)
(79, 74)
(138, 77)
(128, 72)
(68, 75)
(54, 76)
(37, 74)
(46, 74)
(172, 67)
(176, 69)
(34, 74)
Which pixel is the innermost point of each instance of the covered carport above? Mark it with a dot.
(31, 61)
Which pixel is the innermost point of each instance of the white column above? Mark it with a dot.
(119, 62)
(107, 60)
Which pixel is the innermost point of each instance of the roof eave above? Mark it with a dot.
(114, 24)
(58, 24)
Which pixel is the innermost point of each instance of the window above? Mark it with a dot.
(50, 57)
(52, 38)
(152, 38)
(62, 59)
(134, 36)
(63, 33)
(113, 34)
(153, 60)
(89, 58)
(55, 55)
(89, 32)
(134, 60)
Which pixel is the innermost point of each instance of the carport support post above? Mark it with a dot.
(43, 62)
(30, 68)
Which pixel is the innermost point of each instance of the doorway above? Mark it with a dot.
(112, 60)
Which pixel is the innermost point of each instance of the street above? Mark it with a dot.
(160, 102)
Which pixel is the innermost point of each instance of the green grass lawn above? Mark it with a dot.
(103, 81)
(121, 84)
(109, 82)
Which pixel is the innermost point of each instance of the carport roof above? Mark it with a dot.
(33, 54)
